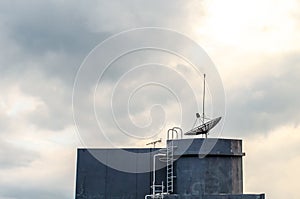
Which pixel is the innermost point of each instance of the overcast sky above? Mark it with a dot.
(255, 46)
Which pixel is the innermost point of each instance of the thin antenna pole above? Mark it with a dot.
(203, 115)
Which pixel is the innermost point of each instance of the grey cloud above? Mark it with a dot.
(41, 26)
(55, 112)
(49, 36)
(44, 42)
(12, 156)
(132, 14)
(53, 37)
(27, 191)
(268, 103)
(10, 192)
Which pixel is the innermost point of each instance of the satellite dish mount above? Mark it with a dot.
(206, 124)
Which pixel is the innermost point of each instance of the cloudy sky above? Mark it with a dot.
(255, 46)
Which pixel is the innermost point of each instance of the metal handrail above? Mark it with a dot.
(174, 130)
(154, 171)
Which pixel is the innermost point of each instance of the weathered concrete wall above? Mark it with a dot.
(96, 180)
(203, 172)
(222, 196)
(211, 175)
(237, 196)
(216, 168)
(209, 146)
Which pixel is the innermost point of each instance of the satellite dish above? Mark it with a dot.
(205, 126)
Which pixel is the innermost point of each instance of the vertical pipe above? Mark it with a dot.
(153, 184)
(162, 189)
(154, 170)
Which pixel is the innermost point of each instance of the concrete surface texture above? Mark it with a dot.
(204, 169)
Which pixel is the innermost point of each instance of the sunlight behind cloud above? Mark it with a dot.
(246, 39)
(261, 26)
(15, 102)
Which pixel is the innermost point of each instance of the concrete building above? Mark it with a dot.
(202, 169)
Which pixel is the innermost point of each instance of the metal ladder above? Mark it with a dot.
(170, 157)
(158, 191)
(166, 155)
(170, 167)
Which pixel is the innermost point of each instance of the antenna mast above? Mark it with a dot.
(205, 127)
(203, 115)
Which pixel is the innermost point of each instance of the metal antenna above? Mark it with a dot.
(154, 142)
(205, 127)
(203, 115)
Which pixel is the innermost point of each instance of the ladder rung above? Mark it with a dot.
(170, 163)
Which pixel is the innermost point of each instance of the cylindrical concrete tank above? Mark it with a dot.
(208, 166)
